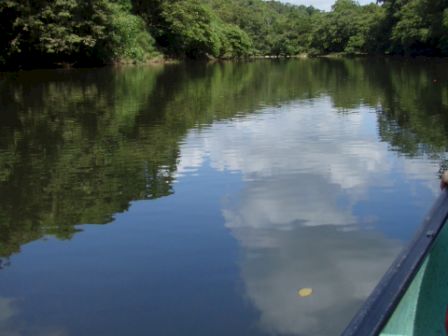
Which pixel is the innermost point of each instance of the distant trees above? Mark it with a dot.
(274, 28)
(46, 32)
(407, 27)
(349, 28)
(49, 32)
(190, 28)
(421, 26)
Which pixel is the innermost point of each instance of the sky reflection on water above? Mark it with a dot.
(305, 169)
(219, 207)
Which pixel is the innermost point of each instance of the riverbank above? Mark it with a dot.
(160, 59)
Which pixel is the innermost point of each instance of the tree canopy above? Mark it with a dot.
(74, 32)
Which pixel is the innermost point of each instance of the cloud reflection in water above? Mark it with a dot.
(305, 169)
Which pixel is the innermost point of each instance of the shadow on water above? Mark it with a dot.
(78, 146)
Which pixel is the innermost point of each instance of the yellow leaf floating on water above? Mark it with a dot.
(304, 292)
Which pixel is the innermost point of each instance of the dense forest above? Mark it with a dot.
(93, 32)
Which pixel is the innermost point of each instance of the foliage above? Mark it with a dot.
(190, 29)
(273, 27)
(70, 31)
(235, 42)
(50, 32)
(416, 27)
(349, 28)
(129, 38)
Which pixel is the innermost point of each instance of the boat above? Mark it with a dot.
(412, 297)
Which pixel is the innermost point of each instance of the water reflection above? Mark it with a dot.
(105, 137)
(307, 166)
(319, 170)
(340, 267)
(11, 324)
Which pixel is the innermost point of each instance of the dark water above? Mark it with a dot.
(198, 199)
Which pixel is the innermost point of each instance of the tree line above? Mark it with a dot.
(91, 32)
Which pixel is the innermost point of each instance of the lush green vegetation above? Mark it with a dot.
(71, 32)
(74, 32)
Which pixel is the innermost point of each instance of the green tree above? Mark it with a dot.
(128, 37)
(420, 27)
(417, 26)
(235, 42)
(348, 28)
(190, 29)
(274, 28)
(70, 31)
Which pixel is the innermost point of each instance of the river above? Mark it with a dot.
(199, 199)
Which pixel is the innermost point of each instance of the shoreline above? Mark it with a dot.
(161, 60)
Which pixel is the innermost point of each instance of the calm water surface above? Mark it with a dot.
(198, 199)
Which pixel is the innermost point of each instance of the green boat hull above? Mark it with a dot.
(422, 309)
